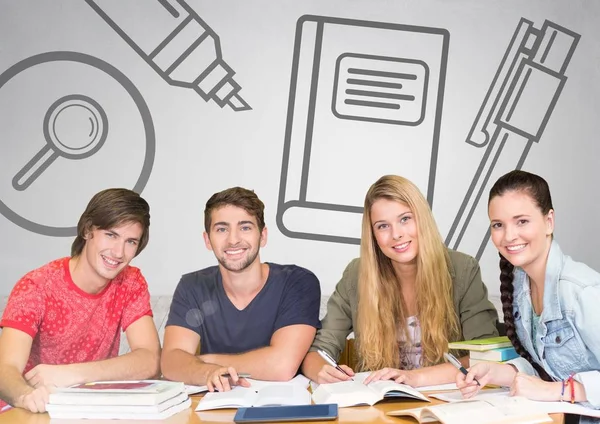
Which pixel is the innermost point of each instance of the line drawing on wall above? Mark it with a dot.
(65, 139)
(183, 49)
(77, 107)
(358, 89)
(513, 116)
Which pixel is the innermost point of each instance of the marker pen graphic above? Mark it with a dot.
(180, 46)
(513, 116)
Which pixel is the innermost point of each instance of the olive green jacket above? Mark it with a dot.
(477, 315)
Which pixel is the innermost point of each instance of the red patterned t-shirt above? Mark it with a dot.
(69, 325)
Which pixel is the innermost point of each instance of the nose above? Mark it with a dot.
(397, 232)
(233, 236)
(118, 249)
(510, 233)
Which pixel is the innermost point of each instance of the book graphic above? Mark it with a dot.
(182, 49)
(359, 91)
(513, 116)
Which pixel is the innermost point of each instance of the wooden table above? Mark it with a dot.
(357, 414)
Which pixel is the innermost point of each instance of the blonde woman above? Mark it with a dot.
(405, 298)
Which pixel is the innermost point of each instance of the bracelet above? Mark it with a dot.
(572, 387)
(562, 392)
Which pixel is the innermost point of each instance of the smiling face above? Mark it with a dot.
(395, 230)
(519, 229)
(105, 254)
(235, 238)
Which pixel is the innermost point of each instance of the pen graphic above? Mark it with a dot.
(332, 362)
(513, 116)
(175, 54)
(452, 360)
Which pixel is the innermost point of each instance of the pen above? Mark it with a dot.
(452, 359)
(240, 375)
(182, 48)
(511, 120)
(332, 362)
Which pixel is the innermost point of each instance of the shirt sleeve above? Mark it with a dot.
(184, 312)
(25, 307)
(585, 319)
(477, 315)
(337, 323)
(138, 299)
(301, 301)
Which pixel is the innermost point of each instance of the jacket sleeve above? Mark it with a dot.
(476, 314)
(585, 319)
(337, 323)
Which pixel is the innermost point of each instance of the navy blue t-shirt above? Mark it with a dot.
(291, 295)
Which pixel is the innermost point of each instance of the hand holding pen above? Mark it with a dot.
(333, 377)
(454, 361)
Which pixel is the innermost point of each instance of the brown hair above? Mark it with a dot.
(381, 307)
(111, 208)
(239, 197)
(537, 189)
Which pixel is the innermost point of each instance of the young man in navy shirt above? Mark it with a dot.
(248, 316)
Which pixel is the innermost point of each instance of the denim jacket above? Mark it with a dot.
(568, 339)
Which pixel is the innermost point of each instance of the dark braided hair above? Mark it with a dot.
(536, 188)
(506, 296)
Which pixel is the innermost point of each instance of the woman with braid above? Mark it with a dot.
(405, 298)
(550, 302)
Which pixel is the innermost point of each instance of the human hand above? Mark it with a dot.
(34, 400)
(51, 375)
(535, 388)
(217, 380)
(409, 377)
(329, 374)
(482, 372)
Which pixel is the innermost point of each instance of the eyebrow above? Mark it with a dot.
(226, 224)
(119, 235)
(383, 220)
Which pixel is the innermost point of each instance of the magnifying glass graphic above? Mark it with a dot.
(75, 127)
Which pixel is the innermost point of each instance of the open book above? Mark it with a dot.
(489, 410)
(351, 393)
(268, 395)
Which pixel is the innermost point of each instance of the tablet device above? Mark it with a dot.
(265, 414)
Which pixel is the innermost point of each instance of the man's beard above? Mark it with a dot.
(239, 266)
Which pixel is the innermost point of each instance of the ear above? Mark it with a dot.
(207, 241)
(550, 222)
(263, 237)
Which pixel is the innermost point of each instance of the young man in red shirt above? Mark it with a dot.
(63, 321)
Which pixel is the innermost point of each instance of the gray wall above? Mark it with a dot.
(155, 133)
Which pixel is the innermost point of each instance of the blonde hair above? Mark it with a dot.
(381, 307)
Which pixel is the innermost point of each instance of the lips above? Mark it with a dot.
(516, 248)
(235, 252)
(402, 247)
(110, 263)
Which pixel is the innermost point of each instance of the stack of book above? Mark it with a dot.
(495, 349)
(139, 400)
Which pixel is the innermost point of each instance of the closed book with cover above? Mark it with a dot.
(119, 413)
(481, 344)
(497, 355)
(114, 393)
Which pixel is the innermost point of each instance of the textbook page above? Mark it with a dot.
(351, 393)
(269, 395)
(493, 410)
